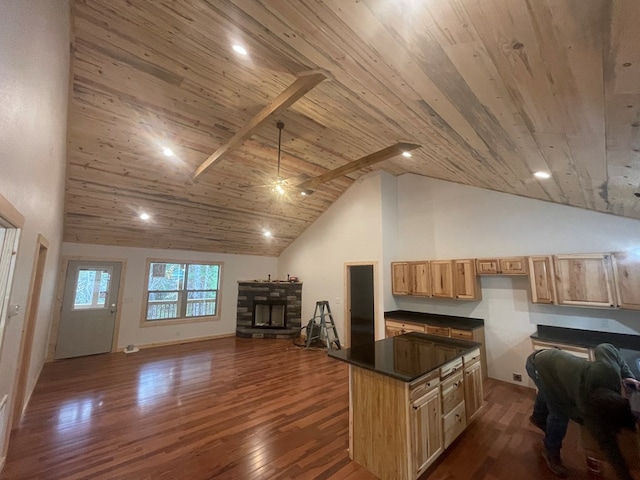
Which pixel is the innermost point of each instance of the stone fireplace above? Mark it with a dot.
(269, 309)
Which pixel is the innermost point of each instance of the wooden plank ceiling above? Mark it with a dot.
(492, 90)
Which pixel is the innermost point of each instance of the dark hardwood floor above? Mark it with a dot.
(236, 408)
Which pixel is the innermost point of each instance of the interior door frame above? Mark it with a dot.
(347, 297)
(57, 312)
(30, 319)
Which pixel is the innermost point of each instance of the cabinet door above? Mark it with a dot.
(473, 395)
(584, 280)
(465, 282)
(426, 430)
(626, 271)
(487, 266)
(442, 278)
(541, 278)
(420, 279)
(400, 278)
(502, 266)
(513, 266)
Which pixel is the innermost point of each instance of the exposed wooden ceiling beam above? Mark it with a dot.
(304, 83)
(366, 161)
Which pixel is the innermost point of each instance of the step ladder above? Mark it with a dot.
(325, 329)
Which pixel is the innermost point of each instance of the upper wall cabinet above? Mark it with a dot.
(626, 271)
(442, 278)
(465, 281)
(585, 280)
(541, 278)
(400, 278)
(410, 278)
(502, 266)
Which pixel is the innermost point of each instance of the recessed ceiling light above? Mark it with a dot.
(406, 154)
(240, 49)
(167, 151)
(267, 233)
(145, 216)
(306, 192)
(542, 174)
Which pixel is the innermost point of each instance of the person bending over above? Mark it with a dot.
(588, 392)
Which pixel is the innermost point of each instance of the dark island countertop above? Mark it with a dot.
(405, 357)
(462, 323)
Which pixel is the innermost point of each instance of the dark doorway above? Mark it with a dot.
(361, 295)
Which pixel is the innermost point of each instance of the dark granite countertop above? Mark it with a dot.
(462, 323)
(586, 338)
(405, 357)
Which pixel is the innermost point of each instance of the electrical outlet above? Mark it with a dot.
(517, 377)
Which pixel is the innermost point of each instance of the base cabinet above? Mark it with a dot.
(426, 431)
(473, 394)
(398, 429)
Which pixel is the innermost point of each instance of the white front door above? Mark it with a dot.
(88, 316)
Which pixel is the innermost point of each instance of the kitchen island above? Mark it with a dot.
(410, 396)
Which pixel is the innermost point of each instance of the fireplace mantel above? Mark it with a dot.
(260, 290)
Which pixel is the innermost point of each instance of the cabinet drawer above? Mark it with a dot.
(464, 334)
(421, 386)
(442, 331)
(453, 424)
(452, 392)
(405, 326)
(582, 352)
(451, 367)
(471, 357)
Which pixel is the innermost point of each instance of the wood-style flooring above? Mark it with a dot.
(235, 408)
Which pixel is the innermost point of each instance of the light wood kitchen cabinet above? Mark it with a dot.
(434, 330)
(465, 281)
(582, 352)
(584, 280)
(454, 419)
(542, 280)
(411, 278)
(426, 430)
(394, 327)
(502, 266)
(442, 278)
(473, 394)
(626, 272)
(400, 278)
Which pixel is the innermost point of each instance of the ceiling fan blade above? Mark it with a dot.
(303, 84)
(366, 161)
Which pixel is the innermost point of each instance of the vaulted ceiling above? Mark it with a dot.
(491, 90)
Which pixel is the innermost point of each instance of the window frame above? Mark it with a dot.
(182, 294)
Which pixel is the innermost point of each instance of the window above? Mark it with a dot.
(182, 290)
(92, 288)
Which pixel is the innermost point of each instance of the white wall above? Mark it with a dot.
(468, 222)
(235, 268)
(349, 231)
(383, 218)
(34, 70)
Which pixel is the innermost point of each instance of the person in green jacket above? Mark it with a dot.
(588, 392)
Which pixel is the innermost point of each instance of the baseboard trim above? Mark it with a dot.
(179, 342)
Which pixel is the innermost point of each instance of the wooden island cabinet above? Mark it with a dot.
(408, 400)
(398, 322)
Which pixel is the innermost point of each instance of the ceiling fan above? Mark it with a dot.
(303, 84)
(305, 185)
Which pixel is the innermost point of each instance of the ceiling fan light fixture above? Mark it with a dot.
(306, 192)
(406, 154)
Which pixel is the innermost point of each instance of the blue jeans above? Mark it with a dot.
(545, 411)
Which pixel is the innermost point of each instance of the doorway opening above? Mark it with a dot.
(361, 304)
